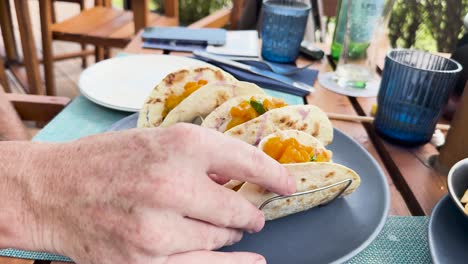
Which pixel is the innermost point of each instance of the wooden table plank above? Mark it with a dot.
(420, 184)
(135, 46)
(7, 260)
(333, 102)
(419, 192)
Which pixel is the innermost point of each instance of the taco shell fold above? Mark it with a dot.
(151, 114)
(307, 118)
(310, 175)
(206, 99)
(220, 117)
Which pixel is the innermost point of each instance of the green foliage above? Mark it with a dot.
(433, 25)
(193, 10)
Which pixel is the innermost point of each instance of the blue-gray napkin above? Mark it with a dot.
(307, 76)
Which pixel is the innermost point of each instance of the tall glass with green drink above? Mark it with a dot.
(364, 16)
(360, 29)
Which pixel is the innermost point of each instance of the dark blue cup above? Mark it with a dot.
(283, 27)
(414, 89)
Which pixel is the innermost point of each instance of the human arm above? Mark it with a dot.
(140, 196)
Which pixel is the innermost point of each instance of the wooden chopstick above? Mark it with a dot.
(369, 119)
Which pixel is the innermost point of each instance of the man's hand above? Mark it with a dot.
(147, 196)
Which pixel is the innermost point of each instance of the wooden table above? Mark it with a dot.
(336, 103)
(414, 186)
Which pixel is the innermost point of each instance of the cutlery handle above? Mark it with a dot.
(206, 55)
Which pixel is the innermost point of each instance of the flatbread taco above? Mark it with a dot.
(174, 88)
(310, 163)
(207, 98)
(239, 110)
(306, 118)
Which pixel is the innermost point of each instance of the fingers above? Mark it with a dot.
(181, 234)
(220, 206)
(205, 236)
(249, 164)
(208, 257)
(237, 160)
(219, 179)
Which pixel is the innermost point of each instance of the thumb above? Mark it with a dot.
(208, 257)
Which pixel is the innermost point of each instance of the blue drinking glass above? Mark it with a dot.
(283, 27)
(414, 89)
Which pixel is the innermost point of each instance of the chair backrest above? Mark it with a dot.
(140, 10)
(4, 77)
(171, 8)
(328, 7)
(222, 17)
(236, 12)
(107, 3)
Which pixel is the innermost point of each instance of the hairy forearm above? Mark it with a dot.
(11, 127)
(18, 190)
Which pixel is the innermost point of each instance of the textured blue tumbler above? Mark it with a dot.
(283, 27)
(414, 89)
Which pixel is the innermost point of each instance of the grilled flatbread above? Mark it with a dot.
(306, 118)
(177, 85)
(206, 99)
(220, 118)
(309, 176)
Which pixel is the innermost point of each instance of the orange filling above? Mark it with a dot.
(291, 151)
(251, 109)
(174, 100)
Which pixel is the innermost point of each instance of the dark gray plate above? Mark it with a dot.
(448, 233)
(332, 233)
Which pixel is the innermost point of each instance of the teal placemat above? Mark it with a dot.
(402, 240)
(79, 119)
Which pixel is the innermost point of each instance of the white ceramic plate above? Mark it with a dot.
(123, 83)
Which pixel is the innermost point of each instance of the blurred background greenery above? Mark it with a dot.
(190, 10)
(432, 25)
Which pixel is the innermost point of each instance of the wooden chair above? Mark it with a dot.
(100, 26)
(222, 17)
(4, 78)
(84, 52)
(38, 108)
(81, 3)
(326, 10)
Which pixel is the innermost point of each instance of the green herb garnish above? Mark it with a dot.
(314, 157)
(258, 107)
